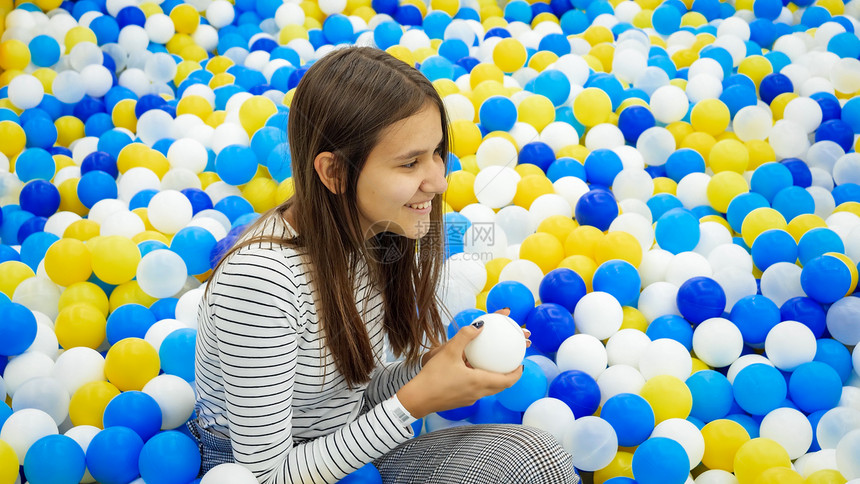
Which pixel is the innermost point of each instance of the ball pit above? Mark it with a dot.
(673, 188)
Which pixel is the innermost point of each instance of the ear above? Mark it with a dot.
(324, 164)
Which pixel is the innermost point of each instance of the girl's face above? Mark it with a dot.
(403, 173)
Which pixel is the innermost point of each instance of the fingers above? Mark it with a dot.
(504, 311)
(465, 336)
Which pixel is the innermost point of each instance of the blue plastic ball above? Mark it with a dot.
(620, 279)
(39, 197)
(554, 85)
(135, 410)
(815, 386)
(800, 173)
(769, 179)
(826, 279)
(44, 51)
(630, 416)
(677, 231)
(602, 166)
(701, 298)
(597, 208)
(806, 311)
(33, 164)
(741, 206)
(94, 186)
(660, 460)
(194, 244)
(531, 386)
(837, 131)
(129, 321)
(17, 328)
(112, 456)
(772, 85)
(177, 353)
(498, 113)
(755, 316)
(565, 166)
(562, 286)
(491, 411)
(514, 295)
(54, 459)
(773, 246)
(834, 354)
(633, 121)
(816, 242)
(673, 327)
(578, 390)
(537, 153)
(169, 457)
(712, 395)
(759, 388)
(550, 325)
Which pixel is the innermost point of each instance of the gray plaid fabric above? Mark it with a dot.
(470, 454)
(479, 454)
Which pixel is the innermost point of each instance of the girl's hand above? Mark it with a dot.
(504, 311)
(447, 381)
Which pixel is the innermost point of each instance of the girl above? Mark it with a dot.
(289, 360)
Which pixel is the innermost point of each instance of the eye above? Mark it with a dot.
(411, 164)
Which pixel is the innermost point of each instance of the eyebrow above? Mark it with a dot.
(415, 153)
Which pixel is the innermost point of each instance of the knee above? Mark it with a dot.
(543, 460)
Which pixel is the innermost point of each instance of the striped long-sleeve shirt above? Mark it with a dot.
(266, 381)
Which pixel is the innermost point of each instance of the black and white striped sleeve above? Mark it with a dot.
(388, 378)
(258, 319)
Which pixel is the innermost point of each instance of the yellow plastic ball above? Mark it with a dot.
(729, 155)
(79, 34)
(755, 67)
(760, 220)
(486, 72)
(582, 265)
(185, 18)
(592, 106)
(285, 190)
(725, 186)
(67, 261)
(115, 259)
(151, 234)
(699, 365)
(598, 34)
(693, 19)
(530, 187)
(583, 240)
(680, 130)
(402, 53)
(130, 363)
(83, 230)
(466, 137)
(217, 117)
(701, 142)
(14, 55)
(8, 463)
(633, 319)
(13, 273)
(84, 293)
(825, 476)
(605, 53)
(710, 116)
(779, 475)
(448, 6)
(537, 111)
(445, 87)
(80, 324)
(669, 397)
(664, 184)
(756, 456)
(760, 151)
(509, 55)
(123, 115)
(69, 129)
(852, 269)
(541, 60)
(577, 152)
(69, 201)
(494, 268)
(254, 112)
(129, 293)
(260, 193)
(777, 106)
(196, 105)
(620, 246)
(543, 249)
(723, 438)
(87, 405)
(558, 225)
(835, 7)
(14, 138)
(803, 223)
(461, 189)
(46, 77)
(526, 169)
(620, 466)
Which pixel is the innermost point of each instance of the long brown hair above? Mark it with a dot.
(341, 105)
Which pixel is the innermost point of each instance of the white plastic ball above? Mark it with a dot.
(169, 211)
(154, 125)
(665, 356)
(656, 144)
(804, 111)
(752, 122)
(789, 344)
(781, 282)
(220, 13)
(161, 329)
(591, 441)
(500, 346)
(669, 104)
(789, 428)
(717, 342)
(546, 206)
(658, 299)
(633, 183)
(229, 473)
(730, 255)
(605, 135)
(46, 339)
(626, 346)
(558, 134)
(835, 424)
(692, 190)
(186, 307)
(685, 433)
(289, 14)
(619, 379)
(598, 314)
(459, 107)
(571, 188)
(736, 284)
(24, 427)
(161, 273)
(24, 367)
(788, 139)
(174, 396)
(496, 185)
(496, 151)
(97, 80)
(686, 265)
(516, 222)
(25, 91)
(716, 476)
(524, 271)
(45, 394)
(68, 87)
(703, 87)
(78, 366)
(582, 352)
(549, 414)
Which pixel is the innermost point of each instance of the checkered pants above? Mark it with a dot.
(470, 454)
(479, 454)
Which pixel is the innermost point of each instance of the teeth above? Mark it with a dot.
(420, 206)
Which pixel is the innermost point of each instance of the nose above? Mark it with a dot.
(434, 180)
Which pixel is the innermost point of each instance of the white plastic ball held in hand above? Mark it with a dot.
(500, 347)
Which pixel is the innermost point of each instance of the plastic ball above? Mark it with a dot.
(578, 390)
(24, 428)
(789, 428)
(500, 346)
(839, 321)
(584, 353)
(598, 314)
(562, 286)
(112, 455)
(660, 459)
(43, 393)
(232, 473)
(723, 438)
(814, 386)
(55, 458)
(531, 387)
(114, 259)
(755, 456)
(17, 327)
(668, 396)
(175, 398)
(677, 231)
(700, 298)
(759, 388)
(592, 106)
(592, 441)
(790, 344)
(827, 278)
(551, 324)
(712, 395)
(618, 278)
(131, 363)
(169, 456)
(597, 207)
(630, 416)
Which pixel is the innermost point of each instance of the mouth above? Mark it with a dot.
(423, 207)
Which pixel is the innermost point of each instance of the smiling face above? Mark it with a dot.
(402, 174)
